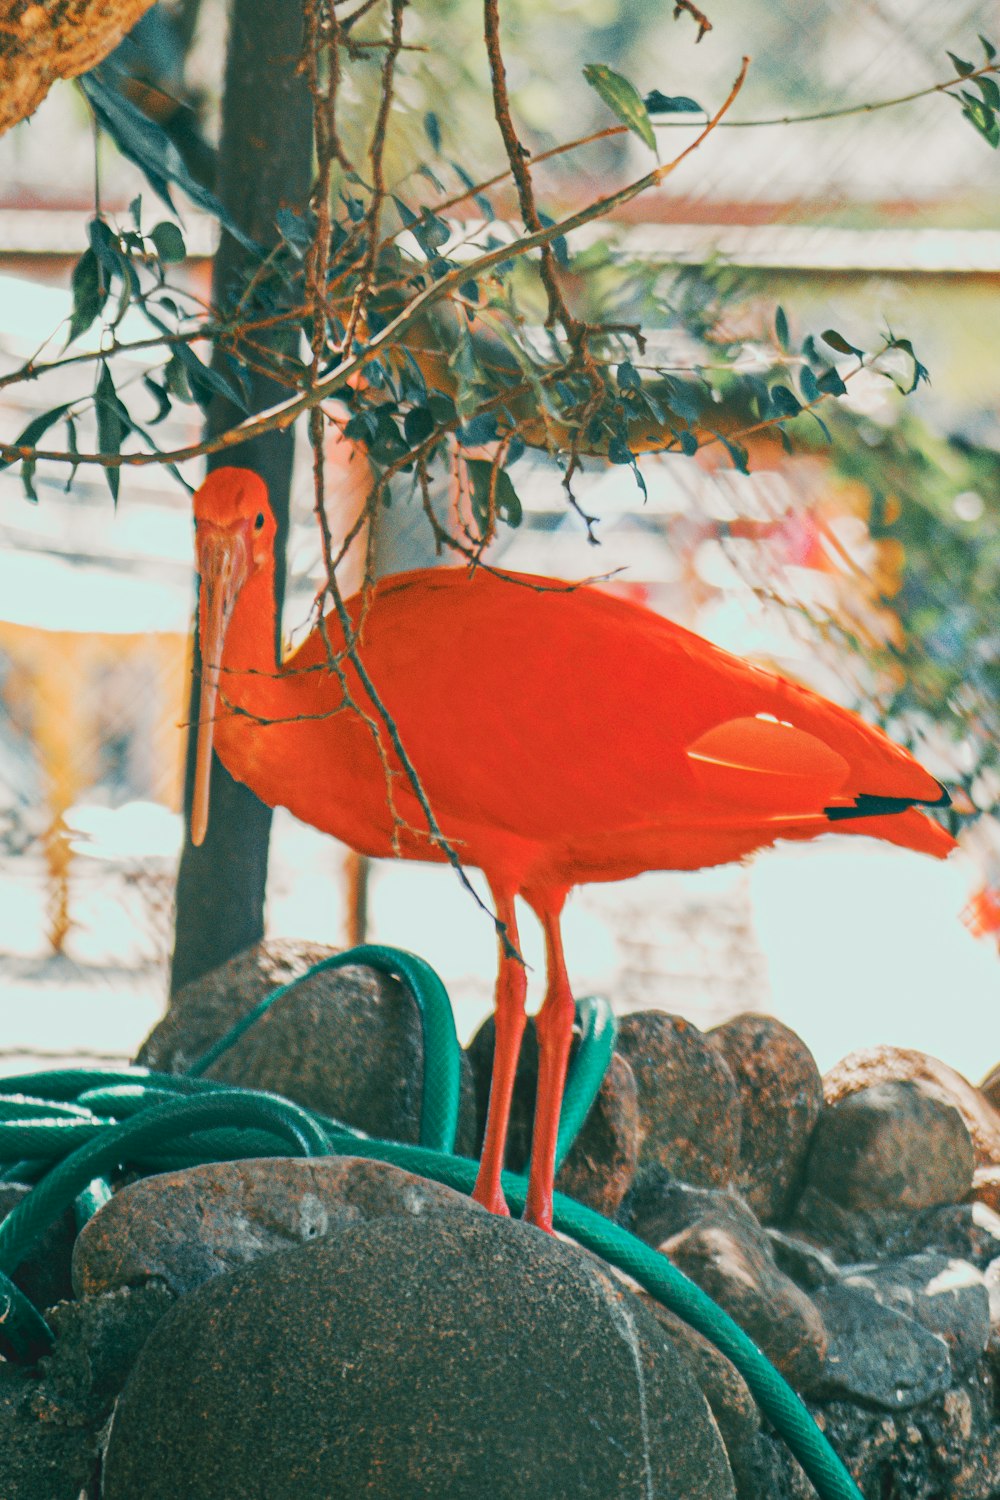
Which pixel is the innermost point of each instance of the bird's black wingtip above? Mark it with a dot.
(868, 806)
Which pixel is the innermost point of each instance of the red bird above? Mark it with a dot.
(561, 736)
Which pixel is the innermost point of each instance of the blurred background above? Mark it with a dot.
(867, 566)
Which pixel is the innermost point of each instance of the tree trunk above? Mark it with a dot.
(265, 163)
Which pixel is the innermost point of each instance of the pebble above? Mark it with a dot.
(601, 1163)
(690, 1116)
(732, 1262)
(781, 1094)
(870, 1065)
(894, 1145)
(877, 1355)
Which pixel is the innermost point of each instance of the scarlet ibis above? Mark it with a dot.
(561, 737)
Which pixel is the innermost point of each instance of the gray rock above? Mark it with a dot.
(52, 1419)
(182, 1228)
(876, 1355)
(601, 1164)
(892, 1146)
(806, 1264)
(44, 1275)
(662, 1206)
(869, 1234)
(40, 1460)
(97, 1342)
(722, 1385)
(781, 1093)
(947, 1449)
(346, 1042)
(991, 1281)
(948, 1297)
(984, 1234)
(451, 1354)
(689, 1105)
(732, 1262)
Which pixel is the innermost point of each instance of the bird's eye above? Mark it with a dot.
(258, 525)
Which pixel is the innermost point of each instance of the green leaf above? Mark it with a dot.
(203, 380)
(560, 249)
(508, 504)
(822, 426)
(463, 361)
(295, 229)
(482, 428)
(667, 104)
(988, 48)
(628, 376)
(71, 445)
(28, 478)
(90, 292)
(837, 341)
(160, 395)
(981, 118)
(689, 443)
(135, 209)
(623, 99)
(432, 126)
(736, 452)
(962, 68)
(781, 328)
(169, 243)
(418, 424)
(113, 424)
(107, 246)
(831, 384)
(907, 379)
(784, 401)
(809, 385)
(28, 438)
(990, 92)
(146, 144)
(175, 379)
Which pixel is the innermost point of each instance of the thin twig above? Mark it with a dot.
(282, 415)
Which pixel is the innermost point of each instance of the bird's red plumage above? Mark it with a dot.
(551, 730)
(562, 736)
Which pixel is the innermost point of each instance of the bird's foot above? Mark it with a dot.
(490, 1196)
(538, 1211)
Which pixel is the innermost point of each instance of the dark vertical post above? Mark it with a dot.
(265, 163)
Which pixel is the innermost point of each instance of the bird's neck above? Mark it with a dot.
(249, 655)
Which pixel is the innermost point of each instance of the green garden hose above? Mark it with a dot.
(442, 1053)
(97, 1120)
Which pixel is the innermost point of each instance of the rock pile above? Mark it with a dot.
(340, 1327)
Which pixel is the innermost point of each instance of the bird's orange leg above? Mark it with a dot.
(509, 1020)
(554, 1024)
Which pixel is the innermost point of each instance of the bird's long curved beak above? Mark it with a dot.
(223, 569)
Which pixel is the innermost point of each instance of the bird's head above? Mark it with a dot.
(234, 539)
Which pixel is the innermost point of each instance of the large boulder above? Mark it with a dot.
(453, 1355)
(346, 1042)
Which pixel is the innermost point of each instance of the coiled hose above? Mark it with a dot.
(70, 1127)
